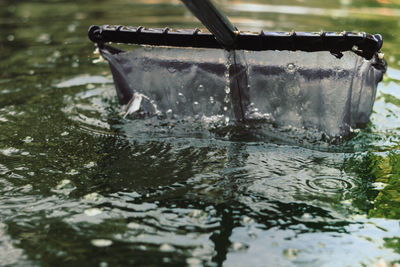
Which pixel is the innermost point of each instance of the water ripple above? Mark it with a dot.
(330, 184)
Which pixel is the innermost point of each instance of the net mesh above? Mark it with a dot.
(298, 89)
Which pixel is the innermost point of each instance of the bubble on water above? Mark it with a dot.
(101, 242)
(251, 234)
(10, 38)
(346, 202)
(238, 246)
(26, 188)
(93, 212)
(197, 213)
(167, 248)
(379, 185)
(306, 216)
(193, 262)
(95, 197)
(290, 253)
(247, 220)
(71, 28)
(64, 184)
(27, 139)
(133, 225)
(44, 38)
(72, 172)
(90, 165)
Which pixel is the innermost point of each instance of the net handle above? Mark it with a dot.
(214, 20)
(363, 44)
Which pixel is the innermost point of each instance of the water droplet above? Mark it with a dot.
(71, 28)
(64, 133)
(291, 67)
(290, 253)
(101, 242)
(10, 38)
(226, 120)
(212, 100)
(93, 212)
(193, 262)
(379, 185)
(200, 88)
(247, 220)
(27, 139)
(306, 216)
(26, 188)
(133, 225)
(64, 184)
(90, 165)
(181, 98)
(252, 234)
(195, 103)
(225, 108)
(227, 99)
(197, 213)
(72, 172)
(167, 248)
(238, 246)
(227, 89)
(93, 197)
(171, 69)
(44, 38)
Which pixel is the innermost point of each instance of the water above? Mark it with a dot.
(79, 184)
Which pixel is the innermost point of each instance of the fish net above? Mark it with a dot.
(329, 91)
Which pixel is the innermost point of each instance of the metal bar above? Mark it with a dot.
(363, 44)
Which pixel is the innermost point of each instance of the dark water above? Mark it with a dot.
(79, 184)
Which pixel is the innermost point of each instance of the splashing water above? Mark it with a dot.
(82, 185)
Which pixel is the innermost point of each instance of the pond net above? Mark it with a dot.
(325, 82)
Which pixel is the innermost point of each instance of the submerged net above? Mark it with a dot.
(305, 90)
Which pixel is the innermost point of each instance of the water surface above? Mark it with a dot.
(79, 184)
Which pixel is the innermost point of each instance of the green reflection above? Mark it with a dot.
(65, 153)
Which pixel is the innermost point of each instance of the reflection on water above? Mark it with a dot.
(81, 184)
